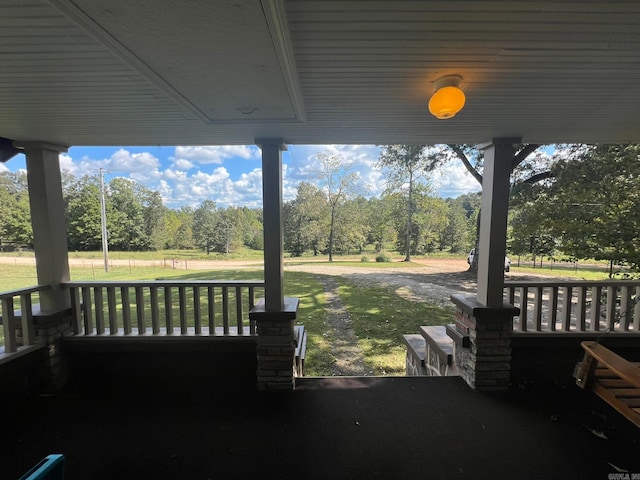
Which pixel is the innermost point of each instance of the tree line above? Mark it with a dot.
(137, 220)
(569, 201)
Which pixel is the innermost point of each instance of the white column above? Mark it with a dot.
(48, 221)
(272, 221)
(498, 157)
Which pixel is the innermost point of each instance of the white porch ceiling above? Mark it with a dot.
(201, 72)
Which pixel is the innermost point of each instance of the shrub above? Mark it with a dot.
(383, 258)
(364, 259)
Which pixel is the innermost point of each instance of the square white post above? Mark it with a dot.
(498, 159)
(272, 221)
(48, 221)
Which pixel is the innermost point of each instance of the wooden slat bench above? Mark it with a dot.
(612, 378)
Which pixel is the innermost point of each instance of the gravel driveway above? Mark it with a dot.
(432, 281)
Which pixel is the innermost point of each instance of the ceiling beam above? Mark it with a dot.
(7, 150)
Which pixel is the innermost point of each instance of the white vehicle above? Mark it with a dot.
(507, 260)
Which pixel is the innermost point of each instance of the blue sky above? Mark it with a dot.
(231, 175)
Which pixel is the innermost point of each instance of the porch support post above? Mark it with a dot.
(52, 320)
(492, 245)
(48, 221)
(272, 222)
(274, 315)
(484, 325)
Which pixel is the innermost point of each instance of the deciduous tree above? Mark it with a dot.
(405, 166)
(339, 182)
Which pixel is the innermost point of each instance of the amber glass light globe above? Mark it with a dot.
(446, 102)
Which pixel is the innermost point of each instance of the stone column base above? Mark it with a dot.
(275, 349)
(49, 329)
(486, 363)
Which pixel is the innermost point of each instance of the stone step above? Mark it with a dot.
(461, 339)
(415, 345)
(439, 342)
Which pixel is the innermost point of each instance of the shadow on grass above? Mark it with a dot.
(380, 317)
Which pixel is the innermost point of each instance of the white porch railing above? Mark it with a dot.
(575, 306)
(17, 314)
(161, 308)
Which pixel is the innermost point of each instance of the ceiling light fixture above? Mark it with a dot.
(448, 99)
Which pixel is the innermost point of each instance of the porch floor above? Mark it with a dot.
(329, 428)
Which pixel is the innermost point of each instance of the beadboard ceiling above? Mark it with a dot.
(202, 72)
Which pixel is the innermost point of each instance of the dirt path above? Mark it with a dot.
(344, 347)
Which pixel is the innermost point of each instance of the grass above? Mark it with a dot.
(582, 273)
(380, 317)
(240, 254)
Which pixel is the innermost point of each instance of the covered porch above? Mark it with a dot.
(113, 376)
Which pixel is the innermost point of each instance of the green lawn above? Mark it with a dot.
(582, 273)
(380, 317)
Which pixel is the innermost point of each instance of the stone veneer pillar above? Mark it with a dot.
(54, 371)
(486, 363)
(275, 348)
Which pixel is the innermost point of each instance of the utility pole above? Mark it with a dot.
(103, 217)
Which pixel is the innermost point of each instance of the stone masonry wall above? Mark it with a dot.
(49, 330)
(486, 364)
(275, 352)
(275, 349)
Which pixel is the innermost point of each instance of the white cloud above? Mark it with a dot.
(142, 167)
(216, 154)
(175, 175)
(454, 180)
(183, 164)
(66, 163)
(302, 162)
(186, 178)
(3, 167)
(125, 161)
(165, 191)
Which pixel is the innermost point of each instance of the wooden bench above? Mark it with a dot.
(612, 378)
(300, 341)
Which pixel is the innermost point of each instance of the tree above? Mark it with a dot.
(15, 220)
(352, 227)
(154, 215)
(430, 217)
(526, 168)
(337, 180)
(405, 165)
(205, 225)
(179, 231)
(454, 233)
(593, 203)
(125, 215)
(228, 230)
(82, 200)
(305, 221)
(381, 221)
(251, 227)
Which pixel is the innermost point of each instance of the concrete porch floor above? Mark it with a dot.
(329, 428)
